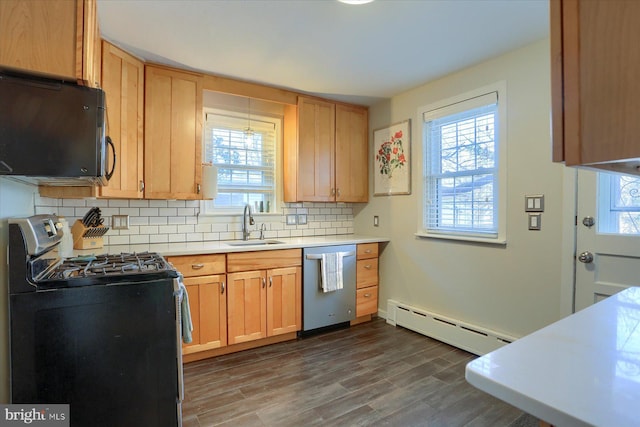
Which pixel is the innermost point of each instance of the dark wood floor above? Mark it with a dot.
(369, 374)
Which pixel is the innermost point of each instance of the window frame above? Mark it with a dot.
(607, 214)
(207, 207)
(499, 236)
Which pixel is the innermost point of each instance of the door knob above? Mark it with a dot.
(588, 221)
(586, 257)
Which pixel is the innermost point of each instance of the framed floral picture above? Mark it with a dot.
(392, 159)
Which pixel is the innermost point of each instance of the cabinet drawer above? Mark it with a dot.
(198, 265)
(367, 250)
(366, 273)
(367, 301)
(263, 260)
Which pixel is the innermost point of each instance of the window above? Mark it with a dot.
(244, 153)
(618, 204)
(464, 174)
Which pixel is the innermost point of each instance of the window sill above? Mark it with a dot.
(472, 239)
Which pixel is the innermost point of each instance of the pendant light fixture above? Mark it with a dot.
(248, 132)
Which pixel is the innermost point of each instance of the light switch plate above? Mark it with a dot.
(302, 219)
(535, 221)
(291, 220)
(534, 203)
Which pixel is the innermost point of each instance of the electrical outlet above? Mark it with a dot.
(120, 222)
(302, 219)
(291, 220)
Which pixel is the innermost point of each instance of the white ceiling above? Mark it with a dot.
(358, 54)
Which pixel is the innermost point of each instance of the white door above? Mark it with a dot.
(607, 252)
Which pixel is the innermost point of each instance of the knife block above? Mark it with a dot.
(87, 237)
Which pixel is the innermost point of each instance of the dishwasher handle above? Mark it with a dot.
(319, 256)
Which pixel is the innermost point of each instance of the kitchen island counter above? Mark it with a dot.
(582, 370)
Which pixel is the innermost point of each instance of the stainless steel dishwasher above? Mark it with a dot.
(322, 309)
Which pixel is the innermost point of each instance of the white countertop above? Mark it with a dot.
(581, 370)
(212, 247)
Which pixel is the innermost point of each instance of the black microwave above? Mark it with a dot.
(52, 130)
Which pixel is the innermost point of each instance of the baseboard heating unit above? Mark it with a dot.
(471, 338)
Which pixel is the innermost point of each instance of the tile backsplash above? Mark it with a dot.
(168, 221)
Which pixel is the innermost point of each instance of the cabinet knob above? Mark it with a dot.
(367, 251)
(338, 192)
(198, 188)
(368, 266)
(222, 288)
(141, 185)
(197, 266)
(367, 295)
(333, 191)
(270, 281)
(264, 283)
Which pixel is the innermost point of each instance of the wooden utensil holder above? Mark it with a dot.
(87, 237)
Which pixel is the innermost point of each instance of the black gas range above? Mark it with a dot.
(101, 333)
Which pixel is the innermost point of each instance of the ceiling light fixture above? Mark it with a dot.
(355, 1)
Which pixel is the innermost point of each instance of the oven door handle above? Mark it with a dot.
(178, 289)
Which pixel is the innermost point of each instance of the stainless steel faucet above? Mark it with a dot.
(246, 215)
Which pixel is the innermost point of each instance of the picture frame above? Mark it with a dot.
(392, 159)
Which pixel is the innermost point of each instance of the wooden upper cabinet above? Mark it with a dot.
(316, 150)
(56, 37)
(123, 83)
(326, 152)
(352, 150)
(595, 87)
(172, 134)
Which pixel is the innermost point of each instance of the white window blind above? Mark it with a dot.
(244, 153)
(461, 168)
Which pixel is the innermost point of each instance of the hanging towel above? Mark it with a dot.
(331, 271)
(184, 312)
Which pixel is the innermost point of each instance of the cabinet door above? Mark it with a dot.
(284, 300)
(316, 150)
(246, 307)
(208, 304)
(352, 148)
(123, 82)
(39, 36)
(56, 37)
(595, 104)
(172, 134)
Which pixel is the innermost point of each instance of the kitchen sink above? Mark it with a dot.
(254, 242)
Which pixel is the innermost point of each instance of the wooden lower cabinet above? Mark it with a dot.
(208, 303)
(367, 280)
(241, 300)
(247, 319)
(264, 303)
(205, 281)
(284, 300)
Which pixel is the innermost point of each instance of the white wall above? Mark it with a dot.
(514, 289)
(15, 200)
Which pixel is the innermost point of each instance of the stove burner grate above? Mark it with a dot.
(110, 265)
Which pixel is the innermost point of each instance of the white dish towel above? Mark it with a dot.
(331, 271)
